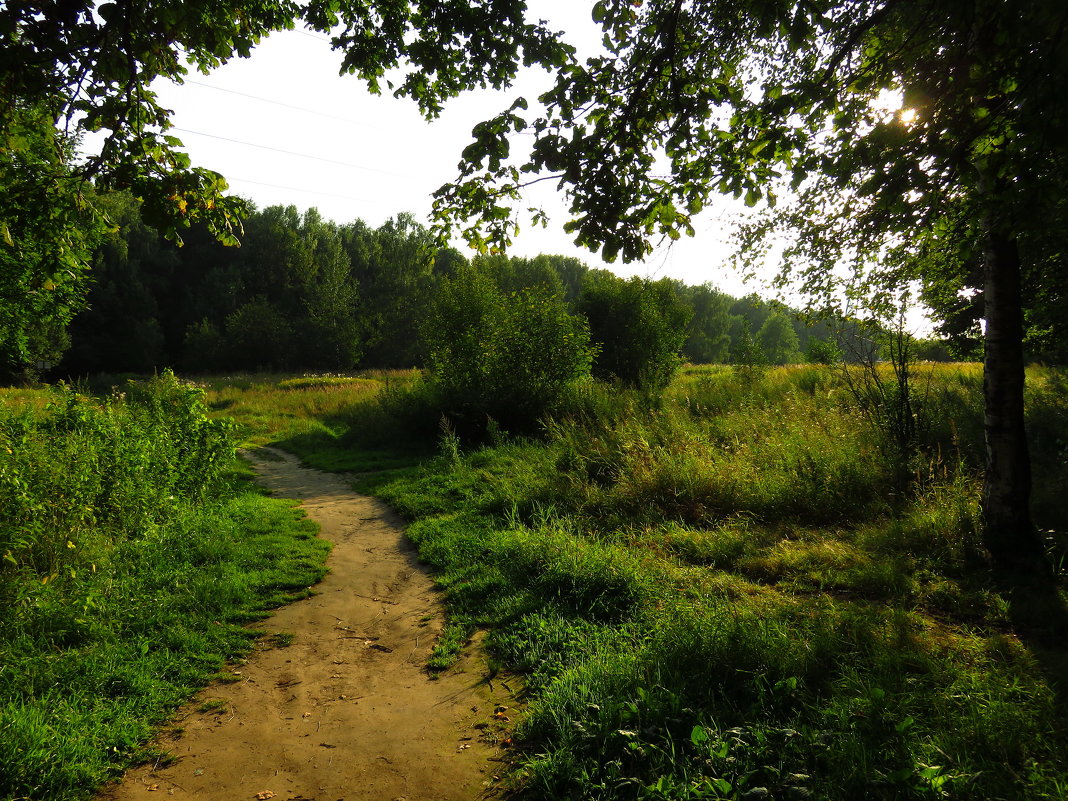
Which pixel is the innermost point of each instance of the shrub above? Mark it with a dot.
(87, 474)
(505, 357)
(638, 327)
(822, 351)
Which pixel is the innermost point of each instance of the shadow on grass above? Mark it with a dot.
(334, 454)
(1039, 616)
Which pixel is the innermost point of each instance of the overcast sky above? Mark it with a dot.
(284, 128)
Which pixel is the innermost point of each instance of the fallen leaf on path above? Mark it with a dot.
(153, 787)
(263, 795)
(306, 715)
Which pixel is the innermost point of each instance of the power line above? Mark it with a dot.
(311, 35)
(294, 153)
(298, 189)
(289, 106)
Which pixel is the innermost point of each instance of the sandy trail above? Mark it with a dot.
(346, 711)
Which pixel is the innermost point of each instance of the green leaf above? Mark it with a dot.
(722, 785)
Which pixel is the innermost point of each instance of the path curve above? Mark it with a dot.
(347, 711)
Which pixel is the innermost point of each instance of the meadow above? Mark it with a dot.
(134, 549)
(765, 584)
(753, 587)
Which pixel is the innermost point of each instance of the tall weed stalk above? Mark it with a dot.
(87, 474)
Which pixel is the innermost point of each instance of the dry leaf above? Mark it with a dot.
(263, 795)
(153, 787)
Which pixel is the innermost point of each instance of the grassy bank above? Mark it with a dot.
(133, 549)
(750, 590)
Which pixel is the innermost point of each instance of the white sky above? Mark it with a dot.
(374, 156)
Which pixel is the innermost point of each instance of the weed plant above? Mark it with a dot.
(740, 591)
(132, 555)
(736, 594)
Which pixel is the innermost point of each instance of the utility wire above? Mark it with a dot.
(295, 153)
(305, 191)
(311, 35)
(289, 106)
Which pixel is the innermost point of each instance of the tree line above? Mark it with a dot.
(305, 293)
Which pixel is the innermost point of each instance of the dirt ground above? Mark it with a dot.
(346, 711)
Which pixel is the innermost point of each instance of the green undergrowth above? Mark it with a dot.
(313, 416)
(743, 590)
(134, 553)
(743, 593)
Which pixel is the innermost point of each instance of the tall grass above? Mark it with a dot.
(741, 591)
(132, 553)
(86, 473)
(738, 594)
(369, 421)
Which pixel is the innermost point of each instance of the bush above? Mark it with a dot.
(87, 474)
(638, 327)
(509, 358)
(822, 351)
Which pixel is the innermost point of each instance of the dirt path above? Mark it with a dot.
(346, 711)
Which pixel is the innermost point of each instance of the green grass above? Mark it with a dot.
(742, 593)
(311, 416)
(126, 584)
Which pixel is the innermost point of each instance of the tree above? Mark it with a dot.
(46, 237)
(778, 340)
(691, 99)
(746, 351)
(638, 327)
(258, 336)
(822, 351)
(331, 300)
(120, 330)
(395, 266)
(82, 66)
(509, 357)
(708, 339)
